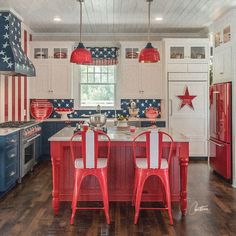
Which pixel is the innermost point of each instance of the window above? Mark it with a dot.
(97, 86)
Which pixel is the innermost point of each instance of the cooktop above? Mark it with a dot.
(16, 124)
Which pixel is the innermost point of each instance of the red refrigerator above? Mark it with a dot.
(220, 129)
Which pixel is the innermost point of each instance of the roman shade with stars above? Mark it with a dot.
(104, 55)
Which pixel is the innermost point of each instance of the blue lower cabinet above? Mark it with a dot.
(160, 124)
(49, 128)
(9, 161)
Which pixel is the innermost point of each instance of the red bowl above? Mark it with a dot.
(152, 116)
(41, 109)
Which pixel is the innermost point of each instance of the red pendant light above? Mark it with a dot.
(81, 55)
(149, 54)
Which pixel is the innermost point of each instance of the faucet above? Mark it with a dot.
(98, 110)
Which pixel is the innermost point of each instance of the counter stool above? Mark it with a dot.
(89, 164)
(152, 165)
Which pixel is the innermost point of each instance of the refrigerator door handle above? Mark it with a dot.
(218, 144)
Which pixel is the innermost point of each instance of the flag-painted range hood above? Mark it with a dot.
(13, 60)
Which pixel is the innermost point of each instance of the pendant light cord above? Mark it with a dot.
(149, 9)
(80, 36)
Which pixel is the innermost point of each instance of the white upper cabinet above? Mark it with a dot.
(187, 55)
(186, 51)
(50, 50)
(53, 70)
(224, 41)
(222, 65)
(139, 80)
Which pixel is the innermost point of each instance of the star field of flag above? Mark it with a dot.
(12, 57)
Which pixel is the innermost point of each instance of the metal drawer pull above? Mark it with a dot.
(220, 145)
(28, 141)
(12, 155)
(12, 173)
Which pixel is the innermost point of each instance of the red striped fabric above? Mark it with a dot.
(13, 98)
(25, 79)
(14, 93)
(6, 98)
(19, 97)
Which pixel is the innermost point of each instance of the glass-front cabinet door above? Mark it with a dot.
(60, 53)
(177, 53)
(40, 53)
(198, 52)
(188, 53)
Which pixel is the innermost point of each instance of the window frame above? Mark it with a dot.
(86, 107)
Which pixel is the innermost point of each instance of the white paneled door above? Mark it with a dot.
(190, 121)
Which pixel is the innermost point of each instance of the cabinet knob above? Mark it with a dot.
(12, 156)
(12, 173)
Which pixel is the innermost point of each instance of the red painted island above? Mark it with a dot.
(120, 172)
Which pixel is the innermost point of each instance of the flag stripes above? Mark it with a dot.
(14, 102)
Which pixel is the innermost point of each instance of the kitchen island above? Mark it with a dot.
(120, 172)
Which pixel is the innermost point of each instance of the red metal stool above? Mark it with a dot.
(152, 165)
(89, 164)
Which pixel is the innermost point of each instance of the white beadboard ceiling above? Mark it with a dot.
(111, 17)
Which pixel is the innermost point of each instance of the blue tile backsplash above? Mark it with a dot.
(125, 104)
(141, 104)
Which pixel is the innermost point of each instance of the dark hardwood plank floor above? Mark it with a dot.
(27, 210)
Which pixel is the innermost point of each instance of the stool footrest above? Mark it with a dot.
(154, 208)
(89, 208)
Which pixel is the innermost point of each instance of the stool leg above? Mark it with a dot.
(168, 197)
(103, 184)
(78, 180)
(140, 185)
(163, 194)
(135, 186)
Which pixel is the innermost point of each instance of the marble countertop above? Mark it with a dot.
(110, 122)
(118, 134)
(6, 131)
(108, 119)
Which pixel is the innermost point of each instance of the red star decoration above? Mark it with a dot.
(186, 99)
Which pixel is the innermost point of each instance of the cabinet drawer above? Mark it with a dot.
(11, 155)
(177, 67)
(188, 77)
(10, 174)
(198, 68)
(11, 140)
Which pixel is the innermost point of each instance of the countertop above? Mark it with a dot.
(118, 134)
(108, 119)
(110, 122)
(6, 131)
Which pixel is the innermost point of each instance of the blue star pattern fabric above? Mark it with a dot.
(104, 55)
(12, 58)
(141, 104)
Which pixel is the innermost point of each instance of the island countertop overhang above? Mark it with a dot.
(118, 135)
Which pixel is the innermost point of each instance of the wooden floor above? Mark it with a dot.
(27, 211)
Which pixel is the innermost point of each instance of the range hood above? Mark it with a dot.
(13, 60)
